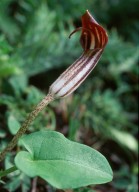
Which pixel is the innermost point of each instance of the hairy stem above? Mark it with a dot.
(26, 124)
(7, 171)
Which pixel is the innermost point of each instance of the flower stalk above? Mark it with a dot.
(93, 41)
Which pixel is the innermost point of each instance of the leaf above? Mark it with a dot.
(18, 83)
(61, 162)
(13, 124)
(125, 139)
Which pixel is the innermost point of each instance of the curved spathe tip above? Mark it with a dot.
(93, 35)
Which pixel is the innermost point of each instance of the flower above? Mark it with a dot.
(93, 40)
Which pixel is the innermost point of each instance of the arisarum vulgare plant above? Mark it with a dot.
(50, 155)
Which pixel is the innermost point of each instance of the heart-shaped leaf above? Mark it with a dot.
(63, 163)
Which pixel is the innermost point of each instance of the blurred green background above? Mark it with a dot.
(102, 113)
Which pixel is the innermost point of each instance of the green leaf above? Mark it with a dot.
(13, 124)
(125, 139)
(18, 83)
(61, 162)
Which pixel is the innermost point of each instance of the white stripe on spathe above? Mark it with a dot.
(68, 73)
(59, 89)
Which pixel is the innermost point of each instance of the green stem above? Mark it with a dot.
(7, 171)
(26, 124)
